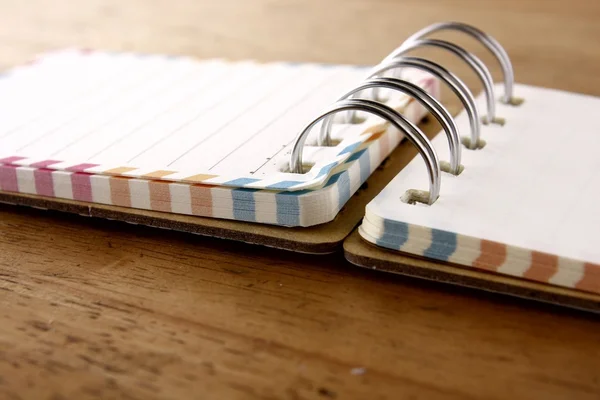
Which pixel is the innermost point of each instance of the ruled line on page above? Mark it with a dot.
(274, 85)
(145, 97)
(104, 74)
(187, 96)
(209, 101)
(78, 111)
(292, 117)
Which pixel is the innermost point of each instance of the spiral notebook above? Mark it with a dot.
(295, 155)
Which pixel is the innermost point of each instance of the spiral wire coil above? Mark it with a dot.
(366, 98)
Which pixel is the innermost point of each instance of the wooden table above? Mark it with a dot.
(99, 309)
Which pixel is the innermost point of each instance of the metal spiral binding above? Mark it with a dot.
(365, 98)
(456, 85)
(492, 45)
(441, 114)
(413, 133)
(473, 61)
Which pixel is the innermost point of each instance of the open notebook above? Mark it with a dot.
(173, 134)
(502, 199)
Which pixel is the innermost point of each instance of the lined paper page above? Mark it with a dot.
(163, 113)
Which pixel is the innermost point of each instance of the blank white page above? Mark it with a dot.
(533, 191)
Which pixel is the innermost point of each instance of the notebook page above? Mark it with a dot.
(176, 118)
(526, 202)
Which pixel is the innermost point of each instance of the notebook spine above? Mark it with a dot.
(366, 98)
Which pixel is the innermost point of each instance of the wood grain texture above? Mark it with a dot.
(100, 309)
